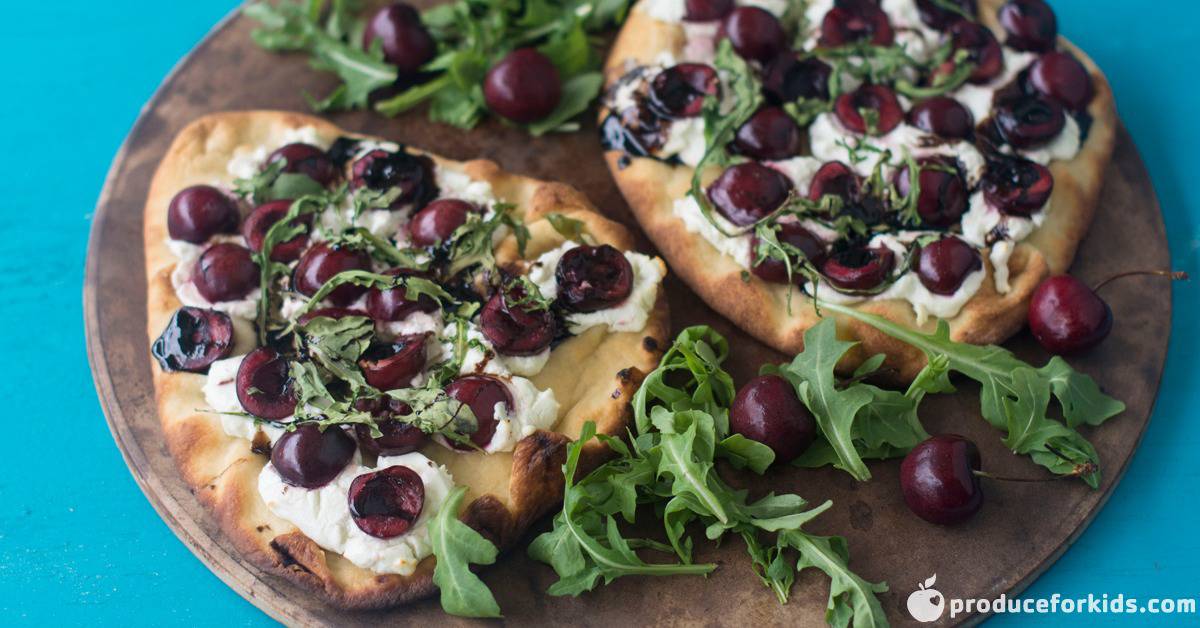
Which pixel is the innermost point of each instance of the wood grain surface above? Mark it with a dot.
(1021, 530)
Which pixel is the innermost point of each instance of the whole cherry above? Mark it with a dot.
(939, 481)
(524, 86)
(766, 409)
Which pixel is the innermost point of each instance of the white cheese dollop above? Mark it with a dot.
(532, 410)
(181, 278)
(736, 247)
(220, 392)
(1064, 146)
(685, 140)
(246, 161)
(630, 315)
(831, 141)
(323, 514)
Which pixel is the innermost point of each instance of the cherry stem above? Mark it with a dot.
(985, 474)
(1172, 274)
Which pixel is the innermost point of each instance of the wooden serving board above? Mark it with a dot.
(1021, 530)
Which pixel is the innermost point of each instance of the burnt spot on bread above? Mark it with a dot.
(261, 444)
(649, 343)
(625, 375)
(264, 527)
(286, 560)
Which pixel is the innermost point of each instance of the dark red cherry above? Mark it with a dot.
(707, 10)
(438, 220)
(396, 435)
(514, 329)
(321, 263)
(393, 365)
(1016, 185)
(200, 212)
(307, 160)
(746, 193)
(481, 393)
(936, 14)
(679, 91)
(943, 264)
(263, 218)
(264, 384)
(788, 78)
(335, 313)
(982, 49)
(523, 87)
(754, 32)
(1029, 121)
(386, 503)
(849, 108)
(942, 197)
(1062, 77)
(766, 409)
(853, 21)
(311, 458)
(1030, 24)
(834, 178)
(225, 272)
(942, 116)
(938, 479)
(593, 278)
(810, 246)
(194, 339)
(392, 304)
(859, 268)
(402, 37)
(381, 170)
(1068, 317)
(770, 135)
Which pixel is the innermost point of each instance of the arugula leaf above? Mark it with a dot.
(569, 228)
(272, 183)
(414, 287)
(457, 546)
(286, 229)
(577, 94)
(337, 344)
(1015, 397)
(850, 597)
(472, 242)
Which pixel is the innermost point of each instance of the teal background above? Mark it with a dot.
(79, 544)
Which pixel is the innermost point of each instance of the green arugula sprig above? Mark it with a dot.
(457, 546)
(682, 427)
(414, 287)
(472, 35)
(1015, 396)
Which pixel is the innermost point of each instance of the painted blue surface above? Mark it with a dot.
(80, 544)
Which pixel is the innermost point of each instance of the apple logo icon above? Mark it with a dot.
(926, 604)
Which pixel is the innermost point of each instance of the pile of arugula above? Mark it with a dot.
(472, 35)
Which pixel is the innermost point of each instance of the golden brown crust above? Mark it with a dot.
(761, 308)
(593, 376)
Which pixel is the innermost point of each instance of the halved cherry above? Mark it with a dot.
(834, 178)
(810, 246)
(321, 263)
(770, 134)
(859, 267)
(943, 264)
(942, 116)
(942, 195)
(1016, 185)
(788, 77)
(853, 21)
(200, 212)
(481, 393)
(1030, 24)
(392, 304)
(593, 278)
(850, 107)
(263, 218)
(1062, 77)
(1029, 121)
(746, 193)
(225, 272)
(393, 365)
(524, 86)
(936, 13)
(331, 312)
(706, 10)
(513, 329)
(386, 503)
(383, 170)
(982, 49)
(754, 32)
(436, 222)
(264, 384)
(310, 457)
(194, 339)
(402, 37)
(679, 91)
(396, 436)
(307, 160)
